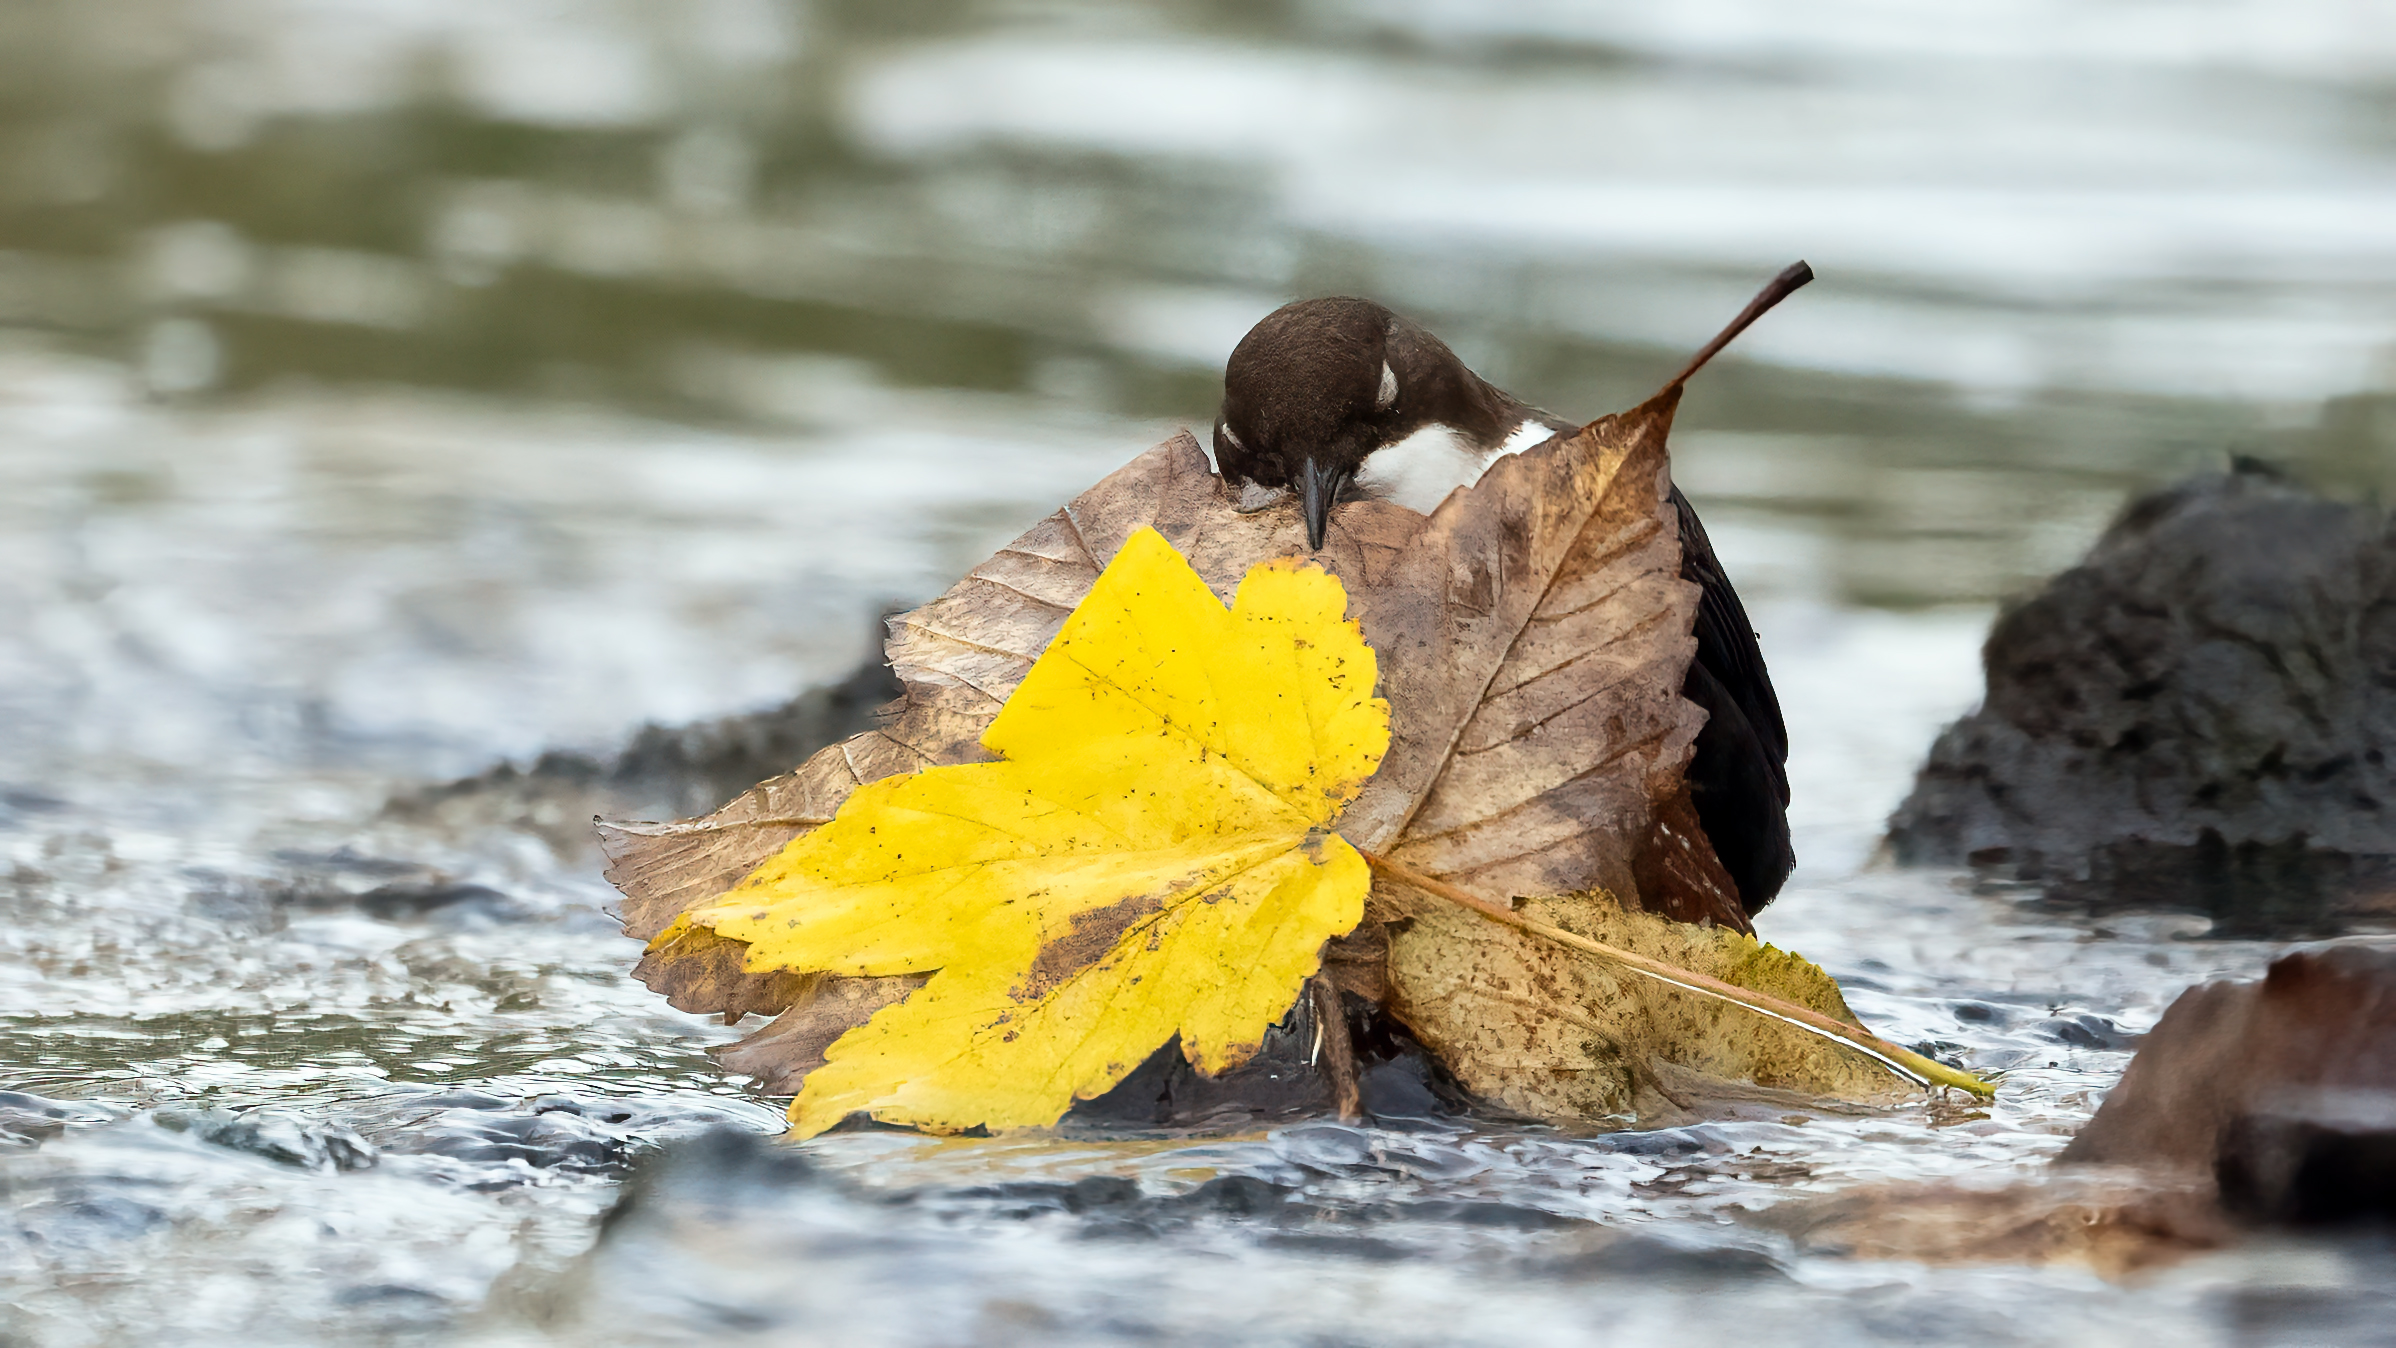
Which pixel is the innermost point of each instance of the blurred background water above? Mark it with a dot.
(391, 389)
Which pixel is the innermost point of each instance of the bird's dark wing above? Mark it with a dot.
(1738, 775)
(1726, 640)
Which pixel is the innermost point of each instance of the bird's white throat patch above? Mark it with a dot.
(1419, 471)
(1529, 435)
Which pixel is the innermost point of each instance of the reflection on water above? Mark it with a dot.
(390, 389)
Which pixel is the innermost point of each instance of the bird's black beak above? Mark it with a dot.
(1318, 491)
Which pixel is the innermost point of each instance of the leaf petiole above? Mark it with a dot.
(1904, 1062)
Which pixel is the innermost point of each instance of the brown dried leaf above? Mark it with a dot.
(1533, 634)
(782, 1054)
(701, 971)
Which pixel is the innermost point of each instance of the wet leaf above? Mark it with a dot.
(1149, 858)
(1553, 1033)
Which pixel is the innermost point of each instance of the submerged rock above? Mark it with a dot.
(2197, 715)
(2281, 1094)
(273, 1135)
(28, 1120)
(509, 1140)
(2315, 1157)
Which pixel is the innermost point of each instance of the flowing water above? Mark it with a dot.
(389, 391)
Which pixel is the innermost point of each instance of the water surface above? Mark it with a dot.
(390, 391)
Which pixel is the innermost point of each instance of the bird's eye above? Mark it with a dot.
(1388, 396)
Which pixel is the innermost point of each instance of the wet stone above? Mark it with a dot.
(2321, 1158)
(559, 1134)
(453, 903)
(1665, 1142)
(380, 888)
(2309, 1315)
(1238, 1196)
(1615, 1254)
(1499, 1216)
(662, 772)
(273, 1135)
(28, 1120)
(2281, 1092)
(1328, 1147)
(2099, 1032)
(2179, 720)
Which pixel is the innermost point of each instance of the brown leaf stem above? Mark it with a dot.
(1337, 1051)
(1904, 1062)
(1777, 289)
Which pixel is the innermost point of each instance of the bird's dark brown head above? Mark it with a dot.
(1313, 390)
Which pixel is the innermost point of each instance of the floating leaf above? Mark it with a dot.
(1151, 857)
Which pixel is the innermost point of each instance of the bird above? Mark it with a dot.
(1337, 399)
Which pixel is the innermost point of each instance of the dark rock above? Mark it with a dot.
(663, 772)
(1238, 1196)
(1664, 1142)
(1498, 1216)
(2320, 1157)
(28, 1120)
(401, 902)
(1165, 1091)
(2092, 1032)
(274, 1135)
(593, 1136)
(2189, 718)
(385, 888)
(1397, 1080)
(1617, 1254)
(715, 1173)
(701, 766)
(2282, 1092)
(1404, 1089)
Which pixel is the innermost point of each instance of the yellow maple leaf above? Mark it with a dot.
(1152, 857)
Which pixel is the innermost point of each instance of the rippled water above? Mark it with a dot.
(389, 391)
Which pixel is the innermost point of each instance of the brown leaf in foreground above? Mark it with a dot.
(1533, 633)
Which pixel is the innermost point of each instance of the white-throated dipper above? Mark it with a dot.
(1332, 399)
